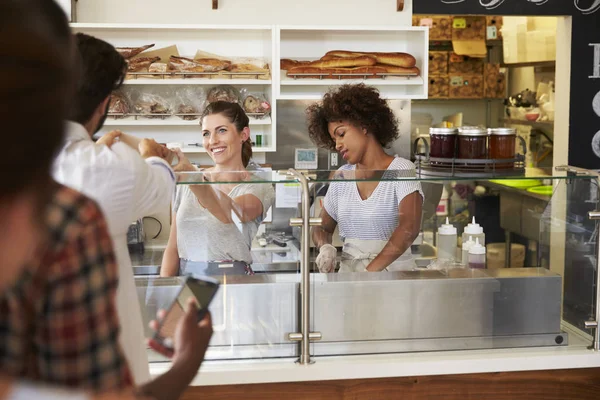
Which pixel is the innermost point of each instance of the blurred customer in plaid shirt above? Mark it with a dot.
(57, 268)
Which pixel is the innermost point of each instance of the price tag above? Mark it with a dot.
(456, 81)
(426, 22)
(492, 32)
(459, 23)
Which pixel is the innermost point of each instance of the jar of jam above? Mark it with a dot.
(472, 142)
(443, 142)
(502, 145)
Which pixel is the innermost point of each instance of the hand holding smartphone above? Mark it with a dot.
(201, 291)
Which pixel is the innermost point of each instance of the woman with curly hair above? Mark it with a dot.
(378, 220)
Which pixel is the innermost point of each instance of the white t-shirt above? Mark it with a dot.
(202, 237)
(377, 217)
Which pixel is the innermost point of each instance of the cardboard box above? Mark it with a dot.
(440, 26)
(465, 86)
(493, 27)
(439, 86)
(494, 86)
(438, 62)
(464, 64)
(466, 27)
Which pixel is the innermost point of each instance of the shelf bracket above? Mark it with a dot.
(399, 5)
(215, 4)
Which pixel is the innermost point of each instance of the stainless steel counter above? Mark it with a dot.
(379, 312)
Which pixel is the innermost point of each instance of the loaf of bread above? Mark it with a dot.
(412, 71)
(397, 59)
(346, 62)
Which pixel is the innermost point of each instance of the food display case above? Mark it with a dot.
(299, 314)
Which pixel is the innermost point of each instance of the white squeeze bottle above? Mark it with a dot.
(474, 230)
(466, 245)
(446, 241)
(477, 256)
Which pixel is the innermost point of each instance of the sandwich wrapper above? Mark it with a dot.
(164, 53)
(471, 48)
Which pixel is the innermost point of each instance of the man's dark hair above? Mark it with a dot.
(36, 71)
(102, 70)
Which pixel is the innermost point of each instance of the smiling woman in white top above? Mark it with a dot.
(379, 215)
(213, 225)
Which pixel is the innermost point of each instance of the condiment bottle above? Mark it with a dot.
(466, 245)
(446, 241)
(474, 230)
(477, 256)
(472, 143)
(502, 145)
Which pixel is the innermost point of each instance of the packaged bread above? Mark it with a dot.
(119, 105)
(255, 103)
(129, 52)
(223, 93)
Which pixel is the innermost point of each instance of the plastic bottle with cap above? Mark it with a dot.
(475, 230)
(466, 245)
(446, 241)
(477, 256)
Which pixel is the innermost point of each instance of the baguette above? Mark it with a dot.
(396, 59)
(286, 63)
(362, 61)
(399, 70)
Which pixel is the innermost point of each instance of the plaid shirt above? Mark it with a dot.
(58, 322)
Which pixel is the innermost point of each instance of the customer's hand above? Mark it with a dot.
(110, 138)
(149, 148)
(184, 164)
(190, 339)
(326, 258)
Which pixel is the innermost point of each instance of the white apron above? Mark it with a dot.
(357, 254)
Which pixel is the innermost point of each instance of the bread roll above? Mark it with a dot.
(397, 59)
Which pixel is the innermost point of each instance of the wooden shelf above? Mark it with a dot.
(171, 121)
(537, 64)
(535, 124)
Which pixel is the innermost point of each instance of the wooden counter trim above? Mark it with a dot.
(570, 384)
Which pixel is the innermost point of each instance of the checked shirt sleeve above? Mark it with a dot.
(78, 340)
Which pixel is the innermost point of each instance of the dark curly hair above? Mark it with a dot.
(358, 104)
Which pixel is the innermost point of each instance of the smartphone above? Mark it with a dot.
(203, 290)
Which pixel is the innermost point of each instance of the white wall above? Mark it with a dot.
(247, 12)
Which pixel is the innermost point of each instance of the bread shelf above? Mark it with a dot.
(199, 150)
(312, 42)
(198, 81)
(388, 81)
(171, 121)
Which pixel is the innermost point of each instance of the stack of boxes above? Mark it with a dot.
(529, 40)
(460, 77)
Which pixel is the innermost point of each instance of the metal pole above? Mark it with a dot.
(304, 269)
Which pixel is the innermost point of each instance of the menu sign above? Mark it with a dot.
(584, 108)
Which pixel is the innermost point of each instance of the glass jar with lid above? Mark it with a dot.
(502, 145)
(472, 142)
(443, 142)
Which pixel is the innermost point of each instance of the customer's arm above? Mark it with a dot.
(170, 261)
(191, 340)
(154, 178)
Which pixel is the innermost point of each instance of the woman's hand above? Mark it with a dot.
(184, 164)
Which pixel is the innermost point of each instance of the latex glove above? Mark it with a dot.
(326, 258)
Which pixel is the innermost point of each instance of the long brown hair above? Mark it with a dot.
(236, 115)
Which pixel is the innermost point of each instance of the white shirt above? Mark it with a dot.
(127, 188)
(377, 217)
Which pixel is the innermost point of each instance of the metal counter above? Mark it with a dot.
(379, 312)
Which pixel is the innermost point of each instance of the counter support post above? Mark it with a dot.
(304, 269)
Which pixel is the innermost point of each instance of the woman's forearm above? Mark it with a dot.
(321, 237)
(400, 241)
(221, 206)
